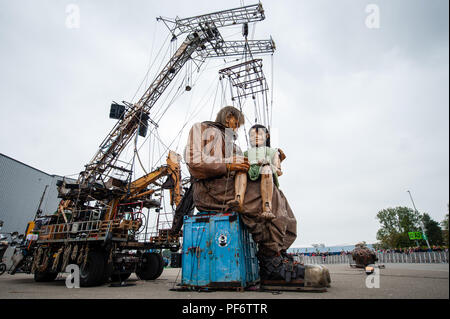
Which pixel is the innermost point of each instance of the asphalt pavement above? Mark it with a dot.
(395, 281)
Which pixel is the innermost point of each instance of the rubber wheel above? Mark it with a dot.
(161, 266)
(92, 273)
(152, 266)
(107, 273)
(120, 277)
(2, 269)
(45, 276)
(108, 270)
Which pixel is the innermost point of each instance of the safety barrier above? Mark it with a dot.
(439, 257)
(331, 259)
(429, 257)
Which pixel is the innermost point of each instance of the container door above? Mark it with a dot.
(195, 260)
(226, 265)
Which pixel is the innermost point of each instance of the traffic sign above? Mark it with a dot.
(415, 235)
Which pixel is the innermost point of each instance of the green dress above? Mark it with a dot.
(256, 154)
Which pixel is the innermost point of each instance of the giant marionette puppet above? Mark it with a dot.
(224, 179)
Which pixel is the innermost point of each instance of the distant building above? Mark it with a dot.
(21, 188)
(330, 249)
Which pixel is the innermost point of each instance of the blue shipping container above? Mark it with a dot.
(218, 252)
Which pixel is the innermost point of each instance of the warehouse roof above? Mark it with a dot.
(1, 154)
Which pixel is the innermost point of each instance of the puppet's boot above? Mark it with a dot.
(317, 276)
(283, 267)
(279, 268)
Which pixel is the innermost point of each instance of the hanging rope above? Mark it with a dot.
(272, 88)
(151, 66)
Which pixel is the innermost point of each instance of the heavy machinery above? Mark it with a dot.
(100, 224)
(17, 253)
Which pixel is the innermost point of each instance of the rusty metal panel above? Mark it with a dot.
(218, 252)
(196, 257)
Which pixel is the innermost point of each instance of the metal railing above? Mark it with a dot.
(74, 229)
(94, 229)
(439, 257)
(429, 257)
(331, 259)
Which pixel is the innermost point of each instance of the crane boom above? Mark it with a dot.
(122, 133)
(234, 48)
(224, 18)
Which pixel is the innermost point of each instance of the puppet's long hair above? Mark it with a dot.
(226, 111)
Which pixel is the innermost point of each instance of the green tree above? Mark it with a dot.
(432, 230)
(395, 225)
(389, 227)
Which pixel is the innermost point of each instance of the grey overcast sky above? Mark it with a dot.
(362, 113)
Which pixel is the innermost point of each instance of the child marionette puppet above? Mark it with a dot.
(264, 165)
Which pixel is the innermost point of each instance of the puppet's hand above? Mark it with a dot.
(281, 154)
(238, 167)
(239, 164)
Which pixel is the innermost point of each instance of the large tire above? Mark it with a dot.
(120, 277)
(92, 273)
(108, 269)
(107, 273)
(45, 276)
(161, 266)
(152, 266)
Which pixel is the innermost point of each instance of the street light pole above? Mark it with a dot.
(421, 220)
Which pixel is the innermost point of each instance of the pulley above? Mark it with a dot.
(245, 30)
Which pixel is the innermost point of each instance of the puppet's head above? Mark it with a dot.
(230, 117)
(259, 136)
